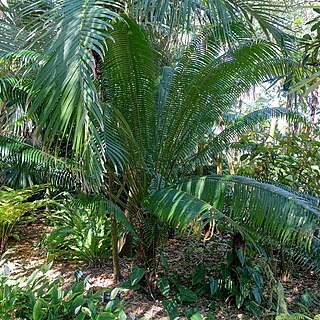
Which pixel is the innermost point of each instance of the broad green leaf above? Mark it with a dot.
(256, 293)
(171, 308)
(137, 274)
(240, 255)
(37, 310)
(186, 295)
(196, 316)
(214, 285)
(164, 286)
(86, 311)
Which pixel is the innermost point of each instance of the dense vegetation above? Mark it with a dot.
(128, 123)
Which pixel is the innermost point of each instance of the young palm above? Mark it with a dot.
(148, 121)
(166, 128)
(71, 34)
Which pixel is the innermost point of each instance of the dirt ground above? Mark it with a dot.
(27, 256)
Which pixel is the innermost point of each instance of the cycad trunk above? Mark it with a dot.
(114, 235)
(115, 255)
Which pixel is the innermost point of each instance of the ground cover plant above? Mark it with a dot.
(93, 107)
(36, 297)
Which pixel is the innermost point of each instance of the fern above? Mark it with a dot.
(13, 204)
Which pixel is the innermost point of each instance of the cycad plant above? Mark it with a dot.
(60, 41)
(144, 124)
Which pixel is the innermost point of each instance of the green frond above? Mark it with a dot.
(24, 164)
(129, 74)
(233, 133)
(14, 91)
(206, 84)
(177, 207)
(102, 204)
(307, 85)
(272, 212)
(22, 62)
(189, 213)
(188, 15)
(315, 201)
(107, 146)
(9, 29)
(65, 98)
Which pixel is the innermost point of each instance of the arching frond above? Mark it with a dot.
(307, 85)
(10, 28)
(14, 91)
(205, 84)
(65, 99)
(273, 213)
(23, 164)
(233, 133)
(106, 205)
(129, 75)
(188, 15)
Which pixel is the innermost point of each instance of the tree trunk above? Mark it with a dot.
(272, 130)
(115, 255)
(114, 234)
(125, 245)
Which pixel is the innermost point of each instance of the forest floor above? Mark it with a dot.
(182, 254)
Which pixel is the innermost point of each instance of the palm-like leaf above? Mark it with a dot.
(233, 132)
(25, 164)
(105, 205)
(10, 27)
(205, 84)
(128, 84)
(272, 212)
(65, 84)
(129, 73)
(189, 14)
(13, 95)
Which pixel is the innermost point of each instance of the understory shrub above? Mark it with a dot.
(291, 160)
(79, 234)
(13, 205)
(250, 285)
